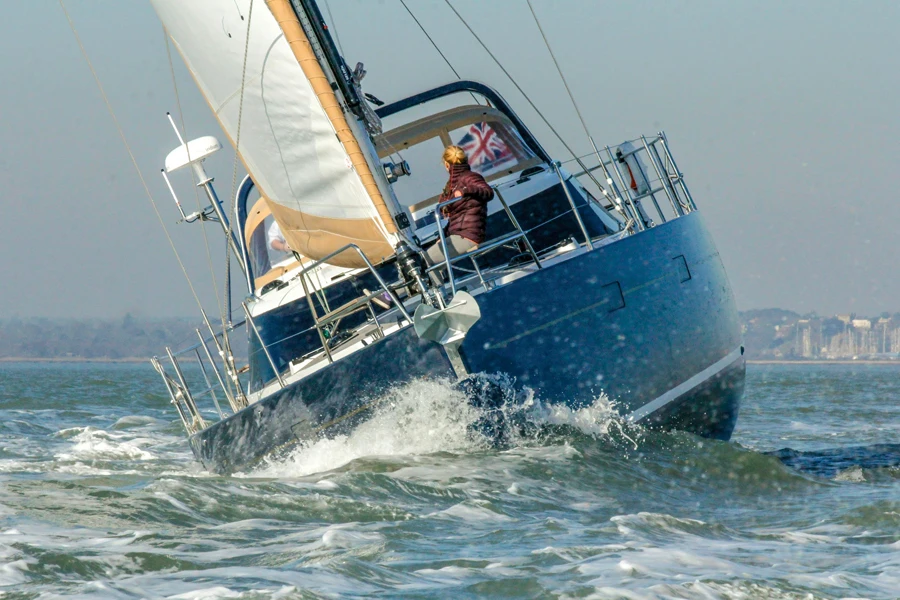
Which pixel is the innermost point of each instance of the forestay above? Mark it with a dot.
(287, 141)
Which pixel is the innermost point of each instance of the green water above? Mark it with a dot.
(100, 498)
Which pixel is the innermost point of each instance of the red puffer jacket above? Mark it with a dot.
(467, 217)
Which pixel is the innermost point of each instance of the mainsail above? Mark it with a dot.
(294, 139)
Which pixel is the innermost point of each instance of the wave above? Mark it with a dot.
(425, 417)
(844, 464)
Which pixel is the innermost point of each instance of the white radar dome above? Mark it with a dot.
(192, 152)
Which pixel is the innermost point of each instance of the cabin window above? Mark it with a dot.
(266, 247)
(492, 147)
(267, 250)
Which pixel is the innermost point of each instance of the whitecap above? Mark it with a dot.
(854, 475)
(13, 573)
(94, 444)
(207, 594)
(470, 513)
(422, 417)
(340, 537)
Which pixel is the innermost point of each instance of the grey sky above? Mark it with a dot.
(782, 116)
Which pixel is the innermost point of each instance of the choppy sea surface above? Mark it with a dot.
(100, 498)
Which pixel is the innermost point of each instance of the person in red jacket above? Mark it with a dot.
(466, 218)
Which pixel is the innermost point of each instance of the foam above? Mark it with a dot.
(422, 417)
(207, 594)
(471, 513)
(428, 416)
(13, 573)
(96, 444)
(341, 537)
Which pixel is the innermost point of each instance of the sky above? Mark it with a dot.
(782, 115)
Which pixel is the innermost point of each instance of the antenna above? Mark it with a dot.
(192, 154)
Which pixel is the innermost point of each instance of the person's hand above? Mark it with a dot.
(457, 194)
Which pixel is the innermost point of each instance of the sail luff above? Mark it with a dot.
(302, 49)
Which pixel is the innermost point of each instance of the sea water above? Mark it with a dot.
(100, 498)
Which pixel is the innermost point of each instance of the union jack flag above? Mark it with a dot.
(486, 150)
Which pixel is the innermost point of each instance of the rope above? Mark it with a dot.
(130, 153)
(237, 137)
(212, 271)
(559, 70)
(583, 123)
(403, 2)
(446, 60)
(337, 38)
(521, 91)
(226, 340)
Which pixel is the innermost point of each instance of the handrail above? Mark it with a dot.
(661, 163)
(179, 388)
(188, 349)
(481, 249)
(369, 266)
(568, 193)
(333, 315)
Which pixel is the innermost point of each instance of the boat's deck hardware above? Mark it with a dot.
(517, 235)
(624, 168)
(327, 321)
(448, 326)
(224, 371)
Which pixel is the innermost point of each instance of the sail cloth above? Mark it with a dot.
(301, 154)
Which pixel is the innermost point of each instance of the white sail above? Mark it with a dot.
(287, 141)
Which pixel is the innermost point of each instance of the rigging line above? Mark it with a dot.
(518, 87)
(237, 145)
(433, 43)
(130, 153)
(212, 271)
(226, 292)
(559, 69)
(222, 307)
(337, 38)
(237, 138)
(587, 132)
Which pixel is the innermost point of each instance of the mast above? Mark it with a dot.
(326, 46)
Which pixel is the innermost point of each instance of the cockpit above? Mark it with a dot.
(500, 148)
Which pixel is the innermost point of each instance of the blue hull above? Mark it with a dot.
(649, 321)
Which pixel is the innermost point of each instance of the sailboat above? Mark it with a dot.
(598, 279)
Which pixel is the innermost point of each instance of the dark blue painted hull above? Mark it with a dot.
(649, 320)
(632, 320)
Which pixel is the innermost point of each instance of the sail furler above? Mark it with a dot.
(298, 152)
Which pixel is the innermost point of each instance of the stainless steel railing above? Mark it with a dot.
(218, 374)
(363, 302)
(632, 182)
(518, 234)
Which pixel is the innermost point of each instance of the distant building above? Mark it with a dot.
(777, 334)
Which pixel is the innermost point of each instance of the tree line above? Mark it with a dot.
(127, 337)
